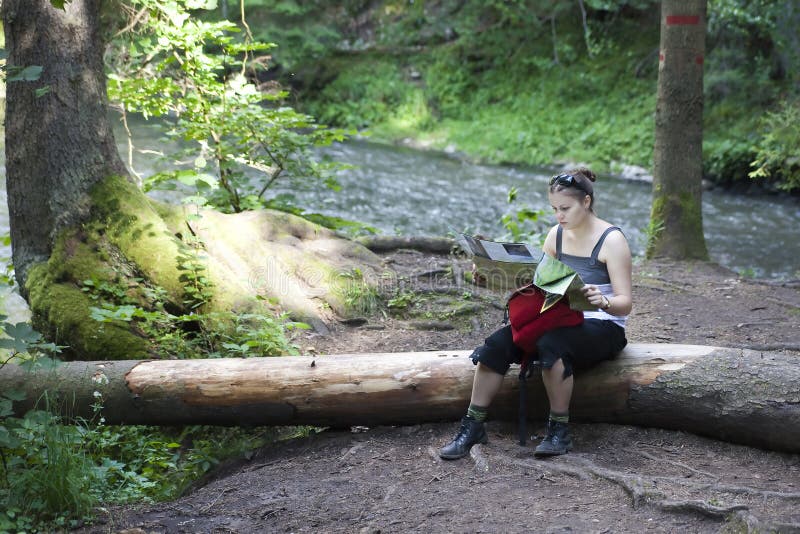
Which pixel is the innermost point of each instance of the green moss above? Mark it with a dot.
(130, 222)
(692, 215)
(126, 245)
(173, 216)
(686, 238)
(62, 312)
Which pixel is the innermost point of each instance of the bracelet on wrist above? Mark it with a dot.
(607, 305)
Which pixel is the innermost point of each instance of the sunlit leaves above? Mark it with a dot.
(201, 75)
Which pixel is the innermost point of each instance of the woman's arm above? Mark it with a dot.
(617, 256)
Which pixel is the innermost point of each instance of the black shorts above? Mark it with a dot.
(579, 347)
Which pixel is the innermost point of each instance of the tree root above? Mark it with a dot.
(642, 489)
(701, 507)
(671, 462)
(747, 522)
(432, 245)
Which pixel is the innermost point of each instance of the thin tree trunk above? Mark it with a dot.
(736, 395)
(676, 214)
(59, 141)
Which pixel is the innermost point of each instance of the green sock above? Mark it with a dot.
(560, 417)
(477, 412)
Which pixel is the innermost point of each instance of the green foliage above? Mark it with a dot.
(255, 335)
(20, 341)
(19, 73)
(362, 94)
(526, 81)
(492, 79)
(360, 297)
(304, 34)
(53, 474)
(203, 77)
(728, 159)
(7, 275)
(197, 287)
(403, 300)
(778, 149)
(194, 335)
(45, 483)
(138, 463)
(651, 233)
(47, 480)
(524, 225)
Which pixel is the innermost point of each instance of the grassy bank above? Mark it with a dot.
(510, 82)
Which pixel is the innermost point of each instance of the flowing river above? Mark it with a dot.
(410, 192)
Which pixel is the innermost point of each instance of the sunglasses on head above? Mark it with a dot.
(567, 180)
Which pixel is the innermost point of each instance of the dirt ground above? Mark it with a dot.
(617, 479)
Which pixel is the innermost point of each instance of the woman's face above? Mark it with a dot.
(570, 212)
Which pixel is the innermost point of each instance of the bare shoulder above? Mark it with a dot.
(615, 247)
(617, 239)
(550, 241)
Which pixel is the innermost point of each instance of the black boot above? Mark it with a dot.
(557, 441)
(470, 433)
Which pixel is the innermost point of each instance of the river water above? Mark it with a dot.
(411, 192)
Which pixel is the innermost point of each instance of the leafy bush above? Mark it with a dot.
(524, 225)
(778, 149)
(363, 93)
(54, 472)
(242, 137)
(47, 477)
(527, 82)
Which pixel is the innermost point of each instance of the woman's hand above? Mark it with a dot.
(594, 296)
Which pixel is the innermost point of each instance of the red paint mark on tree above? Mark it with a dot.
(682, 20)
(661, 56)
(699, 60)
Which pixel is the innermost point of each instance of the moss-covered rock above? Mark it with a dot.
(305, 268)
(132, 248)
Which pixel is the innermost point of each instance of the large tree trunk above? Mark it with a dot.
(676, 217)
(60, 143)
(732, 394)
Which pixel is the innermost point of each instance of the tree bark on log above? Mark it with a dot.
(736, 395)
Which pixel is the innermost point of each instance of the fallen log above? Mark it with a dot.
(737, 395)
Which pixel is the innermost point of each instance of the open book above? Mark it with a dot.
(510, 266)
(504, 266)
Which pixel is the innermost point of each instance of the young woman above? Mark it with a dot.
(599, 252)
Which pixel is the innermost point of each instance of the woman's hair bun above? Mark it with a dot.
(589, 175)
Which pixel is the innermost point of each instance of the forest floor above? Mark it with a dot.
(617, 479)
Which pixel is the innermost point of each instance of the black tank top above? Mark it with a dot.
(591, 270)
